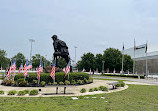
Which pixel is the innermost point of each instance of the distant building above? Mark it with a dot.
(140, 57)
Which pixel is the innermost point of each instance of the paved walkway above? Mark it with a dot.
(131, 80)
(70, 90)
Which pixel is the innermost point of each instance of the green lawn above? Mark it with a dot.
(135, 98)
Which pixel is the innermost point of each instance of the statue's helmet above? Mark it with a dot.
(54, 37)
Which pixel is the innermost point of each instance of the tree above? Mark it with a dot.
(4, 61)
(128, 63)
(98, 62)
(36, 60)
(20, 58)
(112, 58)
(87, 62)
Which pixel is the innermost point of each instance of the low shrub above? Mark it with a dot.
(91, 90)
(7, 82)
(120, 84)
(96, 89)
(43, 83)
(33, 92)
(80, 82)
(35, 82)
(103, 88)
(73, 82)
(86, 81)
(55, 83)
(23, 83)
(83, 90)
(21, 93)
(67, 82)
(13, 92)
(26, 91)
(1, 92)
(61, 83)
(49, 83)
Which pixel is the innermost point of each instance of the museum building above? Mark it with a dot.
(140, 58)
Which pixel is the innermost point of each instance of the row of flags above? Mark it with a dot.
(25, 68)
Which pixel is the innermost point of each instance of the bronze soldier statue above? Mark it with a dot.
(60, 49)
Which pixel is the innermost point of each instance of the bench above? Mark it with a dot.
(113, 84)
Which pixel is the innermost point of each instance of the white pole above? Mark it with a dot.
(146, 60)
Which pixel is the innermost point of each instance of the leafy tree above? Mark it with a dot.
(128, 63)
(87, 62)
(98, 62)
(36, 60)
(4, 61)
(112, 58)
(20, 58)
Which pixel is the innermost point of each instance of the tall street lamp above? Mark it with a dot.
(75, 53)
(31, 40)
(103, 66)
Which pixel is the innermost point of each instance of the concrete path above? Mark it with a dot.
(70, 90)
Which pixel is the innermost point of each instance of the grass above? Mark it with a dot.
(135, 98)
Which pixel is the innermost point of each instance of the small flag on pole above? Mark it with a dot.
(25, 68)
(20, 68)
(39, 70)
(148, 73)
(90, 72)
(30, 66)
(83, 70)
(52, 74)
(77, 70)
(146, 48)
(128, 72)
(64, 69)
(1, 68)
(12, 67)
(114, 71)
(136, 72)
(67, 69)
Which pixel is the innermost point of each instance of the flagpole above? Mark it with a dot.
(122, 57)
(146, 60)
(134, 58)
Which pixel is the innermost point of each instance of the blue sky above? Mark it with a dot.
(91, 25)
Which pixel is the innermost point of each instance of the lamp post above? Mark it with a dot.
(103, 66)
(75, 53)
(31, 40)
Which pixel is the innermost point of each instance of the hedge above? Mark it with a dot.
(59, 77)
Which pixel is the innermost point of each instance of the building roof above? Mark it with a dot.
(152, 52)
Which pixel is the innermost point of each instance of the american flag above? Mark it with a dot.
(20, 68)
(114, 71)
(90, 71)
(146, 47)
(39, 70)
(64, 69)
(30, 66)
(12, 67)
(83, 70)
(123, 48)
(77, 70)
(1, 68)
(52, 74)
(67, 69)
(25, 68)
(9, 73)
